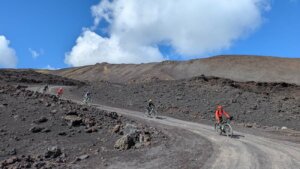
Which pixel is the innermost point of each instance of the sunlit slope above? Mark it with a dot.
(239, 68)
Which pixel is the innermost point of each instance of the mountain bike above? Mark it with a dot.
(151, 113)
(45, 89)
(224, 128)
(86, 100)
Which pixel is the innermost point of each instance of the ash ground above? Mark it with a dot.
(36, 133)
(261, 105)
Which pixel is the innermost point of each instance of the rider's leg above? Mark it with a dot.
(148, 110)
(221, 123)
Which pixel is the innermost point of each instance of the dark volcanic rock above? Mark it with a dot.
(53, 152)
(116, 129)
(16, 135)
(46, 130)
(73, 120)
(39, 164)
(41, 120)
(91, 130)
(62, 133)
(113, 115)
(72, 113)
(36, 129)
(9, 161)
(82, 157)
(124, 143)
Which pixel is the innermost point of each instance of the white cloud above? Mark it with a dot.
(91, 48)
(35, 53)
(49, 67)
(8, 58)
(191, 28)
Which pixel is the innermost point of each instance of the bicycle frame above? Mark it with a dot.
(223, 127)
(151, 113)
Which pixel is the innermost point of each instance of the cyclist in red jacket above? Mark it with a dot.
(59, 92)
(219, 113)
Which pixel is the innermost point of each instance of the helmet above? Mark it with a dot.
(149, 100)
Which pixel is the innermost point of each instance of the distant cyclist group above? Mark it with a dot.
(221, 125)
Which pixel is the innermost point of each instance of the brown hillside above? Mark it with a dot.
(239, 68)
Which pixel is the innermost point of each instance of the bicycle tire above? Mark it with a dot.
(217, 128)
(147, 114)
(228, 130)
(154, 113)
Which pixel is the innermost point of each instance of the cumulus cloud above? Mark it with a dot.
(35, 53)
(91, 48)
(191, 28)
(8, 58)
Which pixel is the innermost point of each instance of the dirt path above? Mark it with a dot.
(245, 151)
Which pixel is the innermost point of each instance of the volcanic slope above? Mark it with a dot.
(252, 104)
(41, 131)
(238, 68)
(240, 151)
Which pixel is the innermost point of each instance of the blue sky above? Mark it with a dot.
(50, 29)
(279, 35)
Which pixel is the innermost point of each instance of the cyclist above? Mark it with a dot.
(150, 106)
(45, 88)
(87, 97)
(219, 113)
(59, 92)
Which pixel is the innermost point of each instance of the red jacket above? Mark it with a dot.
(60, 91)
(219, 113)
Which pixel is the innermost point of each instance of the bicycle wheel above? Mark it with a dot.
(228, 130)
(218, 129)
(147, 113)
(154, 113)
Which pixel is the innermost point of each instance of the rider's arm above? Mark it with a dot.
(226, 114)
(217, 116)
(151, 104)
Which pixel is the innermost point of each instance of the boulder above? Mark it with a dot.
(47, 104)
(113, 115)
(82, 157)
(248, 125)
(116, 129)
(41, 120)
(72, 113)
(129, 129)
(124, 143)
(54, 111)
(91, 130)
(62, 133)
(53, 152)
(46, 130)
(39, 164)
(144, 137)
(73, 120)
(9, 161)
(36, 129)
(89, 122)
